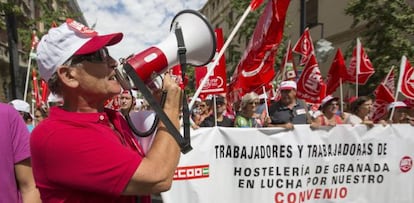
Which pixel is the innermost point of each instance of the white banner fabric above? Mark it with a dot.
(342, 164)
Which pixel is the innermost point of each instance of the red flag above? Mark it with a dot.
(36, 88)
(35, 40)
(407, 78)
(365, 66)
(287, 69)
(255, 4)
(255, 69)
(336, 72)
(304, 47)
(45, 91)
(217, 82)
(177, 73)
(389, 82)
(54, 24)
(310, 86)
(383, 97)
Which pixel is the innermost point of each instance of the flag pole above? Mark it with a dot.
(266, 107)
(215, 110)
(285, 60)
(358, 64)
(402, 70)
(220, 54)
(341, 95)
(26, 86)
(388, 75)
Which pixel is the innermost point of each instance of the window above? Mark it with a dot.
(311, 13)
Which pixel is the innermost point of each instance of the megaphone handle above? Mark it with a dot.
(184, 143)
(154, 124)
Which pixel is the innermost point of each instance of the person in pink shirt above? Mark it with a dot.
(16, 178)
(84, 152)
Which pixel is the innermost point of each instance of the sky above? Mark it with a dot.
(143, 22)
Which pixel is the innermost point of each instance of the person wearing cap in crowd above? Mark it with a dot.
(84, 152)
(329, 108)
(410, 111)
(400, 112)
(359, 110)
(127, 102)
(222, 120)
(54, 100)
(249, 104)
(204, 109)
(288, 110)
(16, 177)
(24, 109)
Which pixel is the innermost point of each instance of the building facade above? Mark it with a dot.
(30, 10)
(325, 19)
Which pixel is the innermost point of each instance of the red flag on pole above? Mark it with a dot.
(54, 24)
(304, 47)
(336, 72)
(35, 40)
(407, 78)
(217, 82)
(287, 68)
(255, 4)
(255, 69)
(177, 75)
(310, 86)
(36, 88)
(366, 70)
(384, 95)
(45, 92)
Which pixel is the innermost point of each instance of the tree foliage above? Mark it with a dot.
(389, 27)
(25, 24)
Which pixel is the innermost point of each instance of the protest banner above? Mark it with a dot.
(343, 164)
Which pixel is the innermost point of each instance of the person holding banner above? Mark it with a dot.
(400, 113)
(217, 117)
(84, 152)
(288, 110)
(360, 109)
(329, 107)
(249, 104)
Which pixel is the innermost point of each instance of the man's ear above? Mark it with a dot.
(67, 76)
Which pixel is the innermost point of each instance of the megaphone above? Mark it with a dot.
(200, 44)
(191, 41)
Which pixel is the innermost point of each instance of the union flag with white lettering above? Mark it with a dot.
(407, 79)
(310, 86)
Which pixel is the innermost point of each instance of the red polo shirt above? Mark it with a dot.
(77, 157)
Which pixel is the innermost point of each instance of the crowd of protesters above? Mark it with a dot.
(81, 140)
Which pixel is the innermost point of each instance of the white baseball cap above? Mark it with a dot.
(70, 38)
(20, 105)
(327, 99)
(54, 98)
(397, 104)
(287, 85)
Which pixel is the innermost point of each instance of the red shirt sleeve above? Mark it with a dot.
(88, 159)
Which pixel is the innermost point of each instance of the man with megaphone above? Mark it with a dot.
(83, 152)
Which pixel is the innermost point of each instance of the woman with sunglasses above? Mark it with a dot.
(246, 117)
(329, 108)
